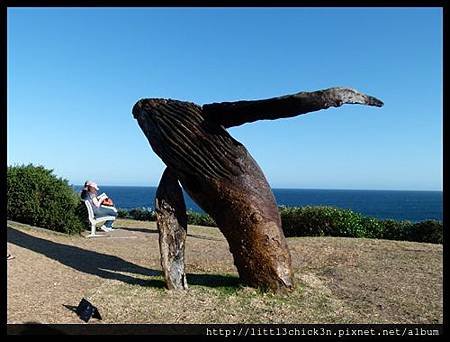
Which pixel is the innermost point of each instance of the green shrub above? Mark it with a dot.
(321, 221)
(142, 214)
(37, 197)
(193, 217)
(199, 219)
(372, 227)
(327, 221)
(122, 213)
(396, 230)
(427, 231)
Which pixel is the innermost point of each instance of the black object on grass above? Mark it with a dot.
(86, 310)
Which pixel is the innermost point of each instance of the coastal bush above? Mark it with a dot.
(37, 197)
(321, 221)
(194, 218)
(142, 214)
(431, 231)
(373, 228)
(200, 219)
(396, 230)
(328, 221)
(122, 213)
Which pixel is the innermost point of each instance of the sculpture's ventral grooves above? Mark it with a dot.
(186, 140)
(223, 178)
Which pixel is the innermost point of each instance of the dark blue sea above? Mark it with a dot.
(382, 204)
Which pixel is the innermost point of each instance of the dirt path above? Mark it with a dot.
(339, 280)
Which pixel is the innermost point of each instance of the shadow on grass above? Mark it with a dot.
(86, 261)
(213, 280)
(208, 280)
(140, 230)
(205, 237)
(155, 231)
(108, 266)
(72, 308)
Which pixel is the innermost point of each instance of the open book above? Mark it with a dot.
(102, 197)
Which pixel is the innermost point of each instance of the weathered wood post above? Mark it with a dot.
(172, 228)
(222, 177)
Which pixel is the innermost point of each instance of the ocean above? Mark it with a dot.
(382, 204)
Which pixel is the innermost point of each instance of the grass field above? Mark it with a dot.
(338, 280)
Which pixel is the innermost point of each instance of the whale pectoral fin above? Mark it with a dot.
(229, 114)
(172, 228)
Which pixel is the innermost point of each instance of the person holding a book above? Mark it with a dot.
(101, 205)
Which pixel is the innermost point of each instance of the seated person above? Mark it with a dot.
(89, 193)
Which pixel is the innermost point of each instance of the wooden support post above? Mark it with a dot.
(172, 228)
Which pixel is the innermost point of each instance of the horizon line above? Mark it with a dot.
(278, 188)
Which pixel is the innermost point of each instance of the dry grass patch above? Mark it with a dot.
(338, 280)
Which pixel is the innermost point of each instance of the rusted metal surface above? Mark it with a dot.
(229, 114)
(221, 176)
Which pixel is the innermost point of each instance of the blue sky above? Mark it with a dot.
(75, 73)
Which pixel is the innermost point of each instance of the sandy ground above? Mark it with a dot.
(339, 280)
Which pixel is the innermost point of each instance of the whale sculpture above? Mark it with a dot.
(221, 176)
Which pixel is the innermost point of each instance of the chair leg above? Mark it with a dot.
(92, 230)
